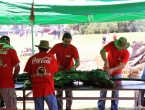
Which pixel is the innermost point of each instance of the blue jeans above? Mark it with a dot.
(50, 100)
(114, 103)
(143, 73)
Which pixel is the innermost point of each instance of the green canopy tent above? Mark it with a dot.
(70, 11)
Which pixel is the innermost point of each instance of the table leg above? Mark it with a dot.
(136, 96)
(24, 97)
(139, 100)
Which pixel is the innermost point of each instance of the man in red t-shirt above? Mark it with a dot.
(66, 54)
(117, 58)
(41, 68)
(9, 69)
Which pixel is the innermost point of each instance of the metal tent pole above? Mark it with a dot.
(32, 25)
(32, 38)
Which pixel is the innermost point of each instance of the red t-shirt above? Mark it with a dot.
(8, 60)
(42, 67)
(65, 55)
(115, 56)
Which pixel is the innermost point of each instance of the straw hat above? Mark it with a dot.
(44, 44)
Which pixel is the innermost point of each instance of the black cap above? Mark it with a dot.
(5, 38)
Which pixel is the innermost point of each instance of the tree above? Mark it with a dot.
(110, 27)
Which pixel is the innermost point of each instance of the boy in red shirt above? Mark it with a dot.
(41, 68)
(117, 58)
(66, 54)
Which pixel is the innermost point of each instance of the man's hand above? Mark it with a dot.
(110, 71)
(106, 65)
(73, 68)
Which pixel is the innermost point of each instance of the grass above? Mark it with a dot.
(88, 47)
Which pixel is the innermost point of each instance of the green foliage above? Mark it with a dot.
(22, 75)
(98, 77)
(90, 29)
(82, 28)
(109, 27)
(27, 83)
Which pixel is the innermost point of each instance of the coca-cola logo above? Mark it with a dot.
(3, 51)
(1, 64)
(41, 60)
(41, 72)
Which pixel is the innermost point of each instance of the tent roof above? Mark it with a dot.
(71, 11)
